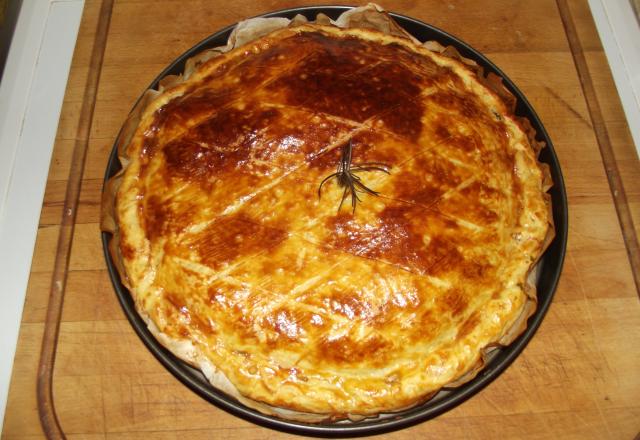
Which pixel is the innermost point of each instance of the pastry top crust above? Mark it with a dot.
(226, 246)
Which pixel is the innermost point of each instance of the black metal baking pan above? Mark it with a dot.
(549, 266)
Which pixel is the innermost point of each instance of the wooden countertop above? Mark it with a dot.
(578, 378)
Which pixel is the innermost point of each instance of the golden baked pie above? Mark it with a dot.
(330, 221)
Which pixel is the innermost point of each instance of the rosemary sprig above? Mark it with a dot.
(347, 179)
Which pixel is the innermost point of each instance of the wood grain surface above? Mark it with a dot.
(578, 378)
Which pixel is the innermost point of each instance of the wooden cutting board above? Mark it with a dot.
(579, 376)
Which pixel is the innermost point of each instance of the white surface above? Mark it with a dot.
(620, 35)
(31, 95)
(15, 85)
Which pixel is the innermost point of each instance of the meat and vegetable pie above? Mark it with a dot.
(330, 221)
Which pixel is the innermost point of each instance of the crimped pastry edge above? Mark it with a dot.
(374, 17)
